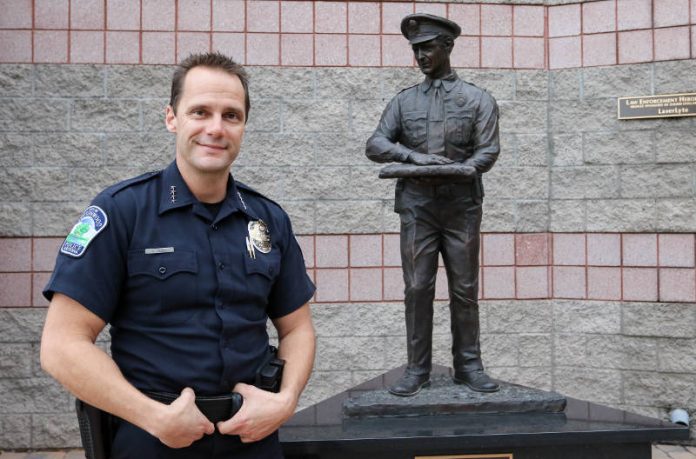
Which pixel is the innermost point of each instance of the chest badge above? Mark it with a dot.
(460, 101)
(259, 235)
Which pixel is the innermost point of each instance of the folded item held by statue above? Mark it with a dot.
(460, 171)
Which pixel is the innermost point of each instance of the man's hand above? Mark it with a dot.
(181, 423)
(422, 159)
(262, 413)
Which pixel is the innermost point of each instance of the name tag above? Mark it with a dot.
(159, 250)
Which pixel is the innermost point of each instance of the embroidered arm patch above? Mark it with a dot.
(92, 222)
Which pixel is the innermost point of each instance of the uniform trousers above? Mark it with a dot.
(442, 219)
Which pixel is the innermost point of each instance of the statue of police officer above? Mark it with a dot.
(442, 124)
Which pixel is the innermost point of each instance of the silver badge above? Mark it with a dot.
(259, 236)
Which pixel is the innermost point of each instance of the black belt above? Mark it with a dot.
(215, 407)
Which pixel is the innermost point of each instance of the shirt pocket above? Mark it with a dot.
(261, 273)
(162, 288)
(415, 126)
(458, 127)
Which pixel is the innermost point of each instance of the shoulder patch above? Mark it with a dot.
(114, 189)
(92, 222)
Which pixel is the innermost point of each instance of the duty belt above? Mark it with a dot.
(216, 407)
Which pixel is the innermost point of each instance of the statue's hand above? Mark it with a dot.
(422, 159)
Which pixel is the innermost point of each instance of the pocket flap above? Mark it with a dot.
(161, 265)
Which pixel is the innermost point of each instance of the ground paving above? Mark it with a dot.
(658, 452)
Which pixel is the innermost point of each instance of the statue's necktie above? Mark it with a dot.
(436, 119)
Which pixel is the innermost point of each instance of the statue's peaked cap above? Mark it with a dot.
(422, 27)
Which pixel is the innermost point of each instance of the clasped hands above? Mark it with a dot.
(262, 413)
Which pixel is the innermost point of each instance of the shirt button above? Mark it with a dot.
(214, 227)
(162, 270)
(221, 266)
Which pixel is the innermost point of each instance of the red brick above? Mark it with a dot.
(45, 252)
(392, 250)
(228, 15)
(231, 44)
(496, 20)
(466, 52)
(599, 49)
(297, 49)
(438, 9)
(564, 20)
(604, 249)
(528, 21)
(392, 13)
(568, 282)
(332, 285)
(564, 52)
(498, 249)
(635, 46)
(15, 289)
(50, 14)
(122, 47)
(330, 17)
(15, 254)
(366, 284)
(297, 17)
(307, 247)
(468, 17)
(499, 282)
(676, 250)
(364, 50)
(331, 251)
(672, 43)
(393, 284)
(16, 46)
(194, 15)
(16, 14)
(568, 249)
(599, 16)
(87, 47)
(532, 282)
(441, 285)
(262, 49)
(396, 51)
(363, 17)
(51, 46)
(263, 16)
(693, 41)
(634, 14)
(159, 15)
(640, 284)
(532, 249)
(39, 281)
(365, 250)
(496, 52)
(331, 50)
(640, 250)
(87, 14)
(123, 14)
(158, 47)
(603, 283)
(671, 12)
(677, 284)
(529, 53)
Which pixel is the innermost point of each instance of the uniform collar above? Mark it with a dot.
(176, 194)
(448, 82)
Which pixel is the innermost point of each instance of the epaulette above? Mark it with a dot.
(245, 187)
(410, 87)
(114, 189)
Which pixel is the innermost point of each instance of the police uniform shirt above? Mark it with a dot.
(186, 296)
(464, 128)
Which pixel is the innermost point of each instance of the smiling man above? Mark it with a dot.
(186, 265)
(443, 122)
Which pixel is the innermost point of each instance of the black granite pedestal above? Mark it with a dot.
(580, 430)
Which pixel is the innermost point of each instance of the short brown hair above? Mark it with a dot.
(214, 60)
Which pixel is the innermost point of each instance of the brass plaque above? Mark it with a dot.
(664, 106)
(469, 456)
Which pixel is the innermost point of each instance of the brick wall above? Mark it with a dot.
(588, 276)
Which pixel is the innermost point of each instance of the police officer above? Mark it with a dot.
(441, 121)
(186, 265)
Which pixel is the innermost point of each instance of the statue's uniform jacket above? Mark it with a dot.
(456, 119)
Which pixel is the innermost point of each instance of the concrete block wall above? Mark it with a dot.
(588, 273)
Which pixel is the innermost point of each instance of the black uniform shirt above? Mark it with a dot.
(187, 298)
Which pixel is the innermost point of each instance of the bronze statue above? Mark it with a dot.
(443, 133)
